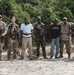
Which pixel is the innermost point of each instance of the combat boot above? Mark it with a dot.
(61, 56)
(21, 58)
(8, 55)
(69, 55)
(14, 54)
(0, 56)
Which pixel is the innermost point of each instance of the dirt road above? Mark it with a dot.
(62, 66)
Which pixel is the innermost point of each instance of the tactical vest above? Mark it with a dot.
(14, 34)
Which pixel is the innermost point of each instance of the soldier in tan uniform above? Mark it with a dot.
(3, 31)
(13, 31)
(65, 37)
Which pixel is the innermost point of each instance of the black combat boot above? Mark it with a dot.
(0, 56)
(69, 55)
(14, 54)
(61, 55)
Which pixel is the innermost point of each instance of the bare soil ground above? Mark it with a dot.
(63, 66)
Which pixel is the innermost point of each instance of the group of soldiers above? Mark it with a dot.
(10, 34)
(26, 31)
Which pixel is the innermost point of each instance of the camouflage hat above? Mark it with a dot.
(39, 17)
(65, 18)
(0, 16)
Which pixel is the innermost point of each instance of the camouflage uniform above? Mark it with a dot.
(72, 33)
(39, 31)
(13, 40)
(65, 38)
(3, 30)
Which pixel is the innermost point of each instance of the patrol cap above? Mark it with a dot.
(39, 17)
(56, 19)
(65, 18)
(0, 16)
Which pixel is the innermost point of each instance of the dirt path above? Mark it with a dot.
(62, 66)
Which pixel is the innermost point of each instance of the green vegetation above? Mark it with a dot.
(47, 9)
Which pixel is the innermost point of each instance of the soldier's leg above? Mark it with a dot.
(8, 54)
(0, 51)
(14, 53)
(73, 40)
(15, 43)
(9, 50)
(24, 46)
(43, 49)
(61, 49)
(1, 48)
(68, 48)
(38, 48)
(14, 49)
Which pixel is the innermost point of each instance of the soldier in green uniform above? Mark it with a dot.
(65, 37)
(39, 32)
(72, 32)
(13, 32)
(3, 31)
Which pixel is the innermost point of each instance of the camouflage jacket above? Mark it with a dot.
(14, 31)
(72, 29)
(3, 28)
(39, 31)
(65, 31)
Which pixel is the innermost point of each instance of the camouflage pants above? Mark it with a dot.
(72, 40)
(67, 44)
(1, 48)
(12, 46)
(42, 44)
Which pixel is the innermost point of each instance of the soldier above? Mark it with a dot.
(65, 37)
(72, 32)
(39, 32)
(13, 32)
(6, 36)
(3, 31)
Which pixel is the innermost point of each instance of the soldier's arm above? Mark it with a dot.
(45, 29)
(72, 24)
(5, 29)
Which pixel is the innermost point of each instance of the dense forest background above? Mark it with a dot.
(47, 9)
